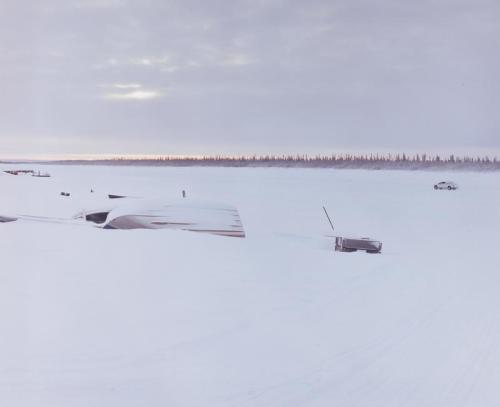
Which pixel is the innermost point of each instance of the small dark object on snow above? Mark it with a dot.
(111, 196)
(65, 194)
(17, 172)
(183, 193)
(41, 174)
(349, 244)
(5, 219)
(97, 217)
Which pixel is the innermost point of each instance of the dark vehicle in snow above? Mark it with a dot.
(352, 244)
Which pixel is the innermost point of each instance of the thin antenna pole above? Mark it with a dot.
(328, 217)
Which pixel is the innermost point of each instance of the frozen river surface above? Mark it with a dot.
(93, 317)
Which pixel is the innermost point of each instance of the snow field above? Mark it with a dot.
(95, 317)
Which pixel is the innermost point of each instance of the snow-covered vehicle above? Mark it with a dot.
(353, 244)
(449, 185)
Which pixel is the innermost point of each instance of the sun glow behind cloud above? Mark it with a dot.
(249, 76)
(127, 86)
(131, 92)
(237, 60)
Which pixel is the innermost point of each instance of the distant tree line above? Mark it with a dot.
(361, 161)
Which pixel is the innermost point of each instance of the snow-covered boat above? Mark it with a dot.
(195, 217)
(129, 213)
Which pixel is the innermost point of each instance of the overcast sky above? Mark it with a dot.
(195, 77)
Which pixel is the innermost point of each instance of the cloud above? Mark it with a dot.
(150, 61)
(170, 69)
(312, 75)
(143, 61)
(126, 86)
(132, 92)
(238, 60)
(205, 56)
(98, 4)
(159, 63)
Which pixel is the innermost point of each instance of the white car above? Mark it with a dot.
(449, 185)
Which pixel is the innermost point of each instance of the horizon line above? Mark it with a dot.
(258, 157)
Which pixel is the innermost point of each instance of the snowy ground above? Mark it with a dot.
(93, 317)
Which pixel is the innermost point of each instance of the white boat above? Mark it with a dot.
(194, 217)
(127, 213)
